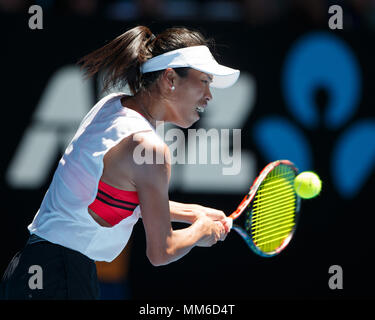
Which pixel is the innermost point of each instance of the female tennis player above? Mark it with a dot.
(100, 189)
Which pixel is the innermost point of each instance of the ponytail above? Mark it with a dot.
(121, 59)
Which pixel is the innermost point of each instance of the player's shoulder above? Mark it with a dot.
(149, 144)
(139, 157)
(147, 138)
(151, 158)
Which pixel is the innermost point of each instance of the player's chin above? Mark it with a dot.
(188, 122)
(194, 121)
(195, 117)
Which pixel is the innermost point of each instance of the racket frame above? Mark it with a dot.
(246, 201)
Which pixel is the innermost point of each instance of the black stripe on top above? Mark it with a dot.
(114, 205)
(122, 201)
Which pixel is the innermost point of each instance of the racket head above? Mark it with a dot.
(271, 215)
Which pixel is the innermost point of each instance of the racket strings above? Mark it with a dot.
(273, 211)
(273, 201)
(280, 215)
(267, 243)
(272, 222)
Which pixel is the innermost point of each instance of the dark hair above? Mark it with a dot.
(122, 58)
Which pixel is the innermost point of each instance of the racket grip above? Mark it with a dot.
(230, 222)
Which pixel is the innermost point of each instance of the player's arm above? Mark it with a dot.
(165, 245)
(189, 213)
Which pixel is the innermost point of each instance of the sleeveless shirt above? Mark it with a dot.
(63, 216)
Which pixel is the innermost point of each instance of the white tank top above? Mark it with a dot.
(63, 216)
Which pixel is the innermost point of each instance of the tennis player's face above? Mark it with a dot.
(192, 93)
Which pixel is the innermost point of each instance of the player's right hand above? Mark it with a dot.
(212, 231)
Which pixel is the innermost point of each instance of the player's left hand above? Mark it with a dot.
(214, 214)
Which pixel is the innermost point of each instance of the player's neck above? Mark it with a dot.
(144, 103)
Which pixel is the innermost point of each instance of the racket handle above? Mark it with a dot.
(230, 222)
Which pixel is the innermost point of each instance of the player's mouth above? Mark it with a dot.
(201, 108)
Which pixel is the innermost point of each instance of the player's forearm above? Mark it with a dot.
(183, 212)
(178, 244)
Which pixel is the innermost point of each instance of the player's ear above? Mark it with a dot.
(168, 80)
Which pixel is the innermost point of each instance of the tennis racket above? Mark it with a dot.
(267, 216)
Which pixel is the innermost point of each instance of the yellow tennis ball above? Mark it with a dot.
(307, 185)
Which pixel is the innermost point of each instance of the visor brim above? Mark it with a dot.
(223, 77)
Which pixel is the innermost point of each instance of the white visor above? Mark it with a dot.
(198, 58)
